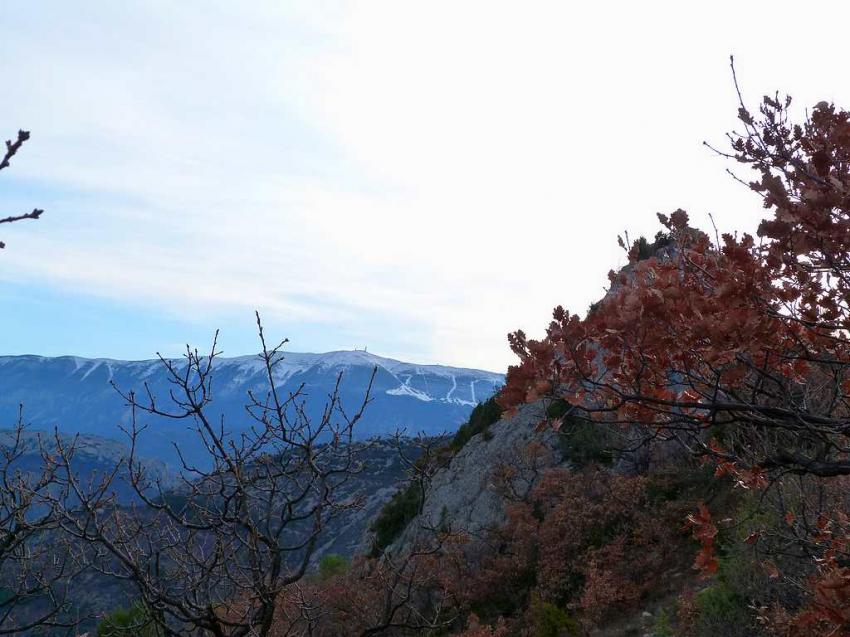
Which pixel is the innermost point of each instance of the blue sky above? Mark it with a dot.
(418, 178)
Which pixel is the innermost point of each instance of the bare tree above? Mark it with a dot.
(12, 148)
(215, 555)
(35, 568)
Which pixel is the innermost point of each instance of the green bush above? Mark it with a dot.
(722, 611)
(687, 481)
(548, 620)
(582, 442)
(134, 621)
(645, 249)
(484, 415)
(740, 564)
(396, 515)
(661, 626)
(558, 408)
(331, 565)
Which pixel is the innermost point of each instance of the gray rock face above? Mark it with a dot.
(469, 495)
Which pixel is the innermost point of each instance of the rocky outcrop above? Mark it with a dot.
(468, 495)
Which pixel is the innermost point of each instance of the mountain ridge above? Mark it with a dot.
(354, 353)
(77, 395)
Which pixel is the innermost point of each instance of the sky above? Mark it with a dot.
(418, 178)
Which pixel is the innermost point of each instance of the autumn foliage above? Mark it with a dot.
(719, 364)
(732, 349)
(580, 548)
(735, 347)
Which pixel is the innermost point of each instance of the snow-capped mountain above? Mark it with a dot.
(75, 394)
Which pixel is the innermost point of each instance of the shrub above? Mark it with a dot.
(661, 626)
(719, 610)
(484, 415)
(581, 441)
(396, 515)
(686, 480)
(586, 541)
(643, 249)
(476, 629)
(586, 443)
(548, 620)
(134, 621)
(332, 565)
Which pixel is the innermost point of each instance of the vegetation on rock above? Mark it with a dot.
(702, 408)
(737, 348)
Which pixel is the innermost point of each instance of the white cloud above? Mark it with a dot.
(457, 168)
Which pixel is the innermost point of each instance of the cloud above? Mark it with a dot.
(444, 171)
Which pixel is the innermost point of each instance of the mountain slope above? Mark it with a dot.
(92, 458)
(75, 394)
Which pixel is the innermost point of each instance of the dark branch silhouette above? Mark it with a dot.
(11, 150)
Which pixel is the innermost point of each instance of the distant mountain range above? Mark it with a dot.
(75, 395)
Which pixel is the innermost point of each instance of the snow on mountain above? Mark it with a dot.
(75, 394)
